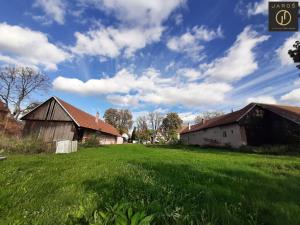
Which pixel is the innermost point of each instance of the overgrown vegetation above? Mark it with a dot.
(172, 184)
(23, 145)
(272, 149)
(90, 142)
(117, 214)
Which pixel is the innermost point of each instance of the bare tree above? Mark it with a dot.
(125, 122)
(18, 83)
(155, 120)
(207, 116)
(143, 133)
(8, 77)
(30, 107)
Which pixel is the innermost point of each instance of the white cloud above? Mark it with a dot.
(282, 51)
(140, 24)
(190, 73)
(189, 42)
(262, 99)
(178, 19)
(122, 82)
(23, 46)
(187, 117)
(150, 87)
(293, 96)
(260, 7)
(54, 9)
(111, 42)
(190, 94)
(123, 100)
(239, 60)
(170, 66)
(138, 12)
(297, 82)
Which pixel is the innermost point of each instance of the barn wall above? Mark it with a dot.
(50, 110)
(291, 134)
(264, 127)
(103, 138)
(229, 135)
(49, 131)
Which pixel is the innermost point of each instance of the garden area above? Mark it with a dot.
(137, 184)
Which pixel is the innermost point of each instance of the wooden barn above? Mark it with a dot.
(56, 120)
(254, 125)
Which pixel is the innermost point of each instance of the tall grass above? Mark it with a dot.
(173, 185)
(23, 145)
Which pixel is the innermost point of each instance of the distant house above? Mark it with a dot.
(254, 125)
(8, 125)
(56, 120)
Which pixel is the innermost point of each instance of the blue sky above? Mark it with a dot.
(186, 56)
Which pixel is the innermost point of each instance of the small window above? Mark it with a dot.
(224, 134)
(259, 113)
(232, 131)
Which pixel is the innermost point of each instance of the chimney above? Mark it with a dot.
(203, 121)
(189, 125)
(97, 117)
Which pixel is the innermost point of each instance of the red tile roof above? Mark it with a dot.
(86, 120)
(289, 112)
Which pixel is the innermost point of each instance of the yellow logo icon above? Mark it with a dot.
(283, 17)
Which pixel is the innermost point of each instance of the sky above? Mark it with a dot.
(184, 56)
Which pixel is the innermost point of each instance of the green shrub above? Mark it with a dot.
(112, 215)
(91, 142)
(24, 145)
(271, 149)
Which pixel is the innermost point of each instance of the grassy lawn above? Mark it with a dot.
(177, 186)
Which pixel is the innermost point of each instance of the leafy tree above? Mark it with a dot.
(119, 118)
(170, 124)
(18, 83)
(112, 116)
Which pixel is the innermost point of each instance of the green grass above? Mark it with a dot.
(177, 186)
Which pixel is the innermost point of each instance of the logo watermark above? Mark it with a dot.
(283, 16)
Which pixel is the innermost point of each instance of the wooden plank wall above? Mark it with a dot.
(50, 110)
(49, 131)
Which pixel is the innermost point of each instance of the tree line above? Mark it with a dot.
(153, 126)
(148, 127)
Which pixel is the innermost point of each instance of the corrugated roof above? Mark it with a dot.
(86, 120)
(289, 112)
